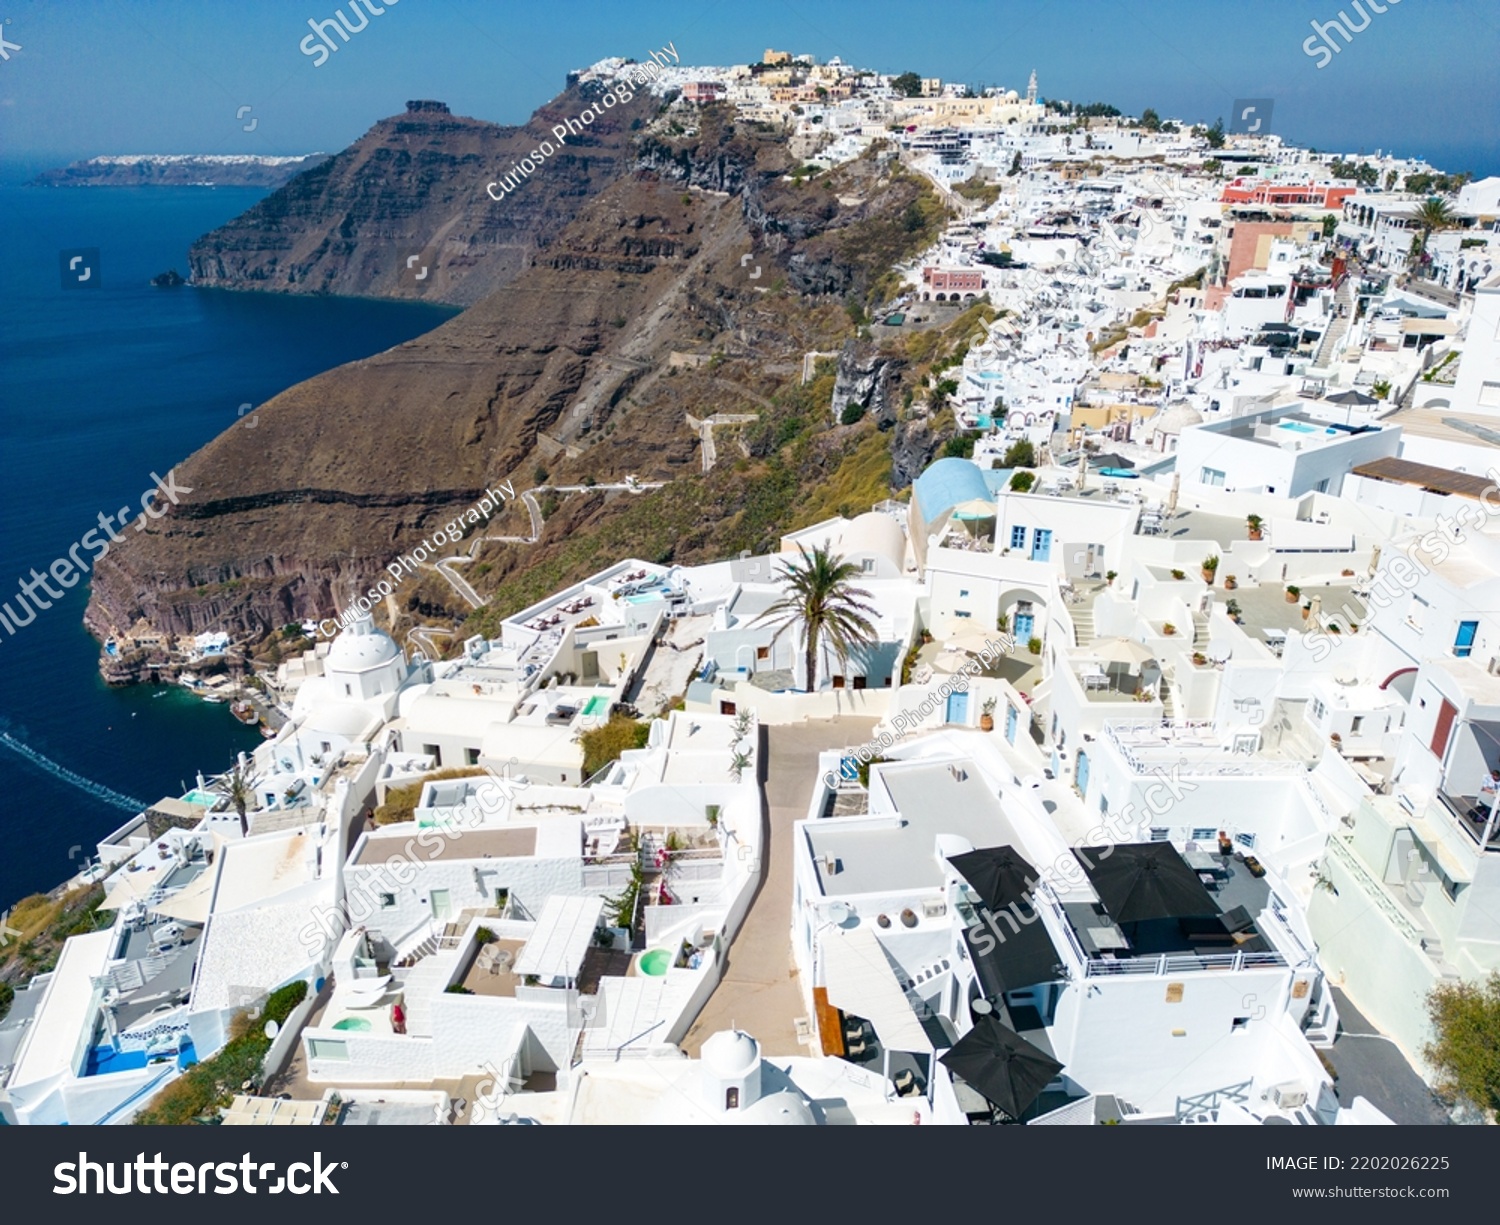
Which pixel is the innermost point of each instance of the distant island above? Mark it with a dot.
(168, 280)
(179, 170)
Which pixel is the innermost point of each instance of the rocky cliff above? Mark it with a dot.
(563, 379)
(411, 195)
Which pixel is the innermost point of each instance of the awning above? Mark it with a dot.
(562, 937)
(861, 980)
(190, 903)
(128, 886)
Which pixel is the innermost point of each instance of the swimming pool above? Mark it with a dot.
(359, 1025)
(102, 1060)
(206, 798)
(1298, 427)
(651, 597)
(654, 962)
(597, 705)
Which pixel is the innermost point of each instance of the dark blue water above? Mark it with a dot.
(98, 389)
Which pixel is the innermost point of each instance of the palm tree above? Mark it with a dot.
(819, 600)
(1433, 214)
(239, 796)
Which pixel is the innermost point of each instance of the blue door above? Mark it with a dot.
(1041, 544)
(1463, 645)
(958, 708)
(1012, 719)
(1024, 622)
(1083, 773)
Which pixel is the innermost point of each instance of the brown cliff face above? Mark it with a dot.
(346, 471)
(414, 185)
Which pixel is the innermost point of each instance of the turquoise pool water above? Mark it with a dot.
(207, 798)
(597, 705)
(1297, 427)
(655, 962)
(984, 420)
(650, 597)
(358, 1024)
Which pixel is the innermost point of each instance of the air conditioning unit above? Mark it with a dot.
(1494, 665)
(1287, 1096)
(934, 909)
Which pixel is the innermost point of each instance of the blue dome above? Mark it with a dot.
(947, 483)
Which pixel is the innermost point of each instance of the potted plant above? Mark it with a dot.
(1168, 629)
(1230, 582)
(987, 715)
(1179, 575)
(1233, 609)
(1110, 576)
(1335, 739)
(1306, 611)
(1199, 659)
(1210, 567)
(1293, 594)
(1347, 573)
(1256, 526)
(1034, 645)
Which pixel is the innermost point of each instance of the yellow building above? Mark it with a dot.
(776, 57)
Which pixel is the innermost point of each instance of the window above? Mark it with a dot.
(327, 1048)
(387, 900)
(838, 682)
(963, 613)
(1246, 840)
(1211, 476)
(762, 652)
(1018, 537)
(1356, 725)
(867, 565)
(1416, 612)
(432, 751)
(327, 747)
(471, 756)
(860, 682)
(1463, 644)
(1317, 709)
(963, 593)
(1204, 833)
(348, 690)
(1239, 1023)
(1159, 834)
(1322, 486)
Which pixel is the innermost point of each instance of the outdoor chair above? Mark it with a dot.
(905, 1082)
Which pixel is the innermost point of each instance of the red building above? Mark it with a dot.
(943, 281)
(702, 91)
(1265, 191)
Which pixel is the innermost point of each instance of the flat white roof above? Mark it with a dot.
(65, 1010)
(563, 934)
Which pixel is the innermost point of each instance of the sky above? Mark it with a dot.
(81, 77)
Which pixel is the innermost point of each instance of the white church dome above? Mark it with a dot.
(360, 648)
(731, 1054)
(783, 1109)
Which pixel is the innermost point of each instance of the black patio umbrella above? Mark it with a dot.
(999, 875)
(1351, 397)
(1002, 1065)
(1141, 881)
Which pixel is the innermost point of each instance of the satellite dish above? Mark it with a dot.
(839, 913)
(272, 1029)
(1220, 652)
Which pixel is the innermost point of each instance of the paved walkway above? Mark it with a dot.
(1370, 1065)
(759, 992)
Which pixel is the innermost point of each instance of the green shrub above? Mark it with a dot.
(604, 744)
(853, 411)
(283, 1000)
(1022, 482)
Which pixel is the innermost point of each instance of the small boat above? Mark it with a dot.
(212, 697)
(244, 712)
(268, 732)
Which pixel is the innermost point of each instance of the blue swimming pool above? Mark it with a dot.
(1117, 473)
(651, 597)
(102, 1060)
(1298, 427)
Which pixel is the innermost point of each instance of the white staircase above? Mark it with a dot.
(1083, 624)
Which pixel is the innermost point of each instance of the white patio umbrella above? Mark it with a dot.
(1172, 497)
(1123, 651)
(1083, 470)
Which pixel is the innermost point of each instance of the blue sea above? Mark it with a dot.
(98, 389)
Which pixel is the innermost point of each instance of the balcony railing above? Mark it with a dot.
(1097, 967)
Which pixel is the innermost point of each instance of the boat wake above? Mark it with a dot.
(98, 790)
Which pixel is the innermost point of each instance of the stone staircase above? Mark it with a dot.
(1338, 327)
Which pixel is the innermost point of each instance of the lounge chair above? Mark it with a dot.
(905, 1082)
